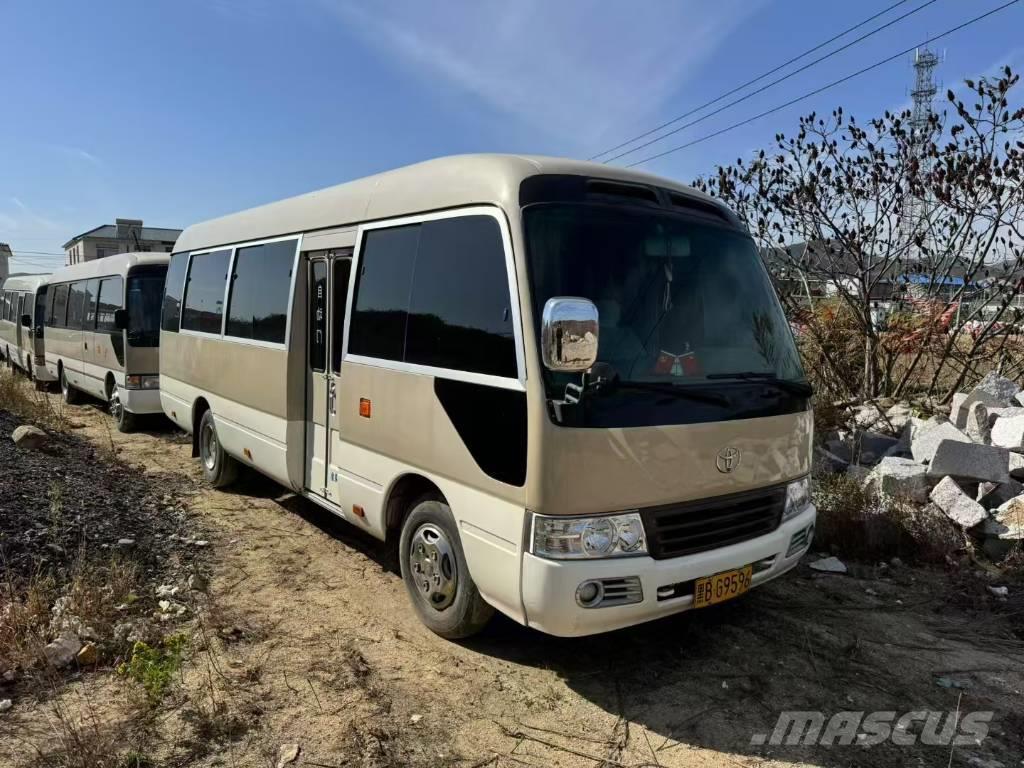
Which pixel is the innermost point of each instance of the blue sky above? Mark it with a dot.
(175, 111)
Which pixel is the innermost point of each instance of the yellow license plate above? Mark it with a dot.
(721, 587)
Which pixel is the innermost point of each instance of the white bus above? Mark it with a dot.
(21, 325)
(103, 331)
(567, 391)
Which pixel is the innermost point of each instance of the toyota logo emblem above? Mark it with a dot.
(728, 459)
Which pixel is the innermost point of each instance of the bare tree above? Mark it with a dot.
(914, 239)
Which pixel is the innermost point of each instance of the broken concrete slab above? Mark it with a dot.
(1008, 432)
(925, 439)
(1016, 466)
(970, 461)
(899, 416)
(1019, 398)
(900, 478)
(1004, 530)
(992, 495)
(829, 565)
(957, 505)
(977, 422)
(998, 386)
(999, 413)
(875, 443)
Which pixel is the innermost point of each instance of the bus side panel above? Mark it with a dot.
(246, 387)
(408, 431)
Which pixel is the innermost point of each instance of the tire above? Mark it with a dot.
(219, 469)
(71, 395)
(126, 420)
(436, 575)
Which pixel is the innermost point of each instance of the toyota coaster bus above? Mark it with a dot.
(567, 391)
(102, 331)
(21, 325)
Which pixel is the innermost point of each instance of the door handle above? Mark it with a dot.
(332, 397)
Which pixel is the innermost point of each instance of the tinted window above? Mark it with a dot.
(173, 289)
(60, 305)
(92, 289)
(41, 304)
(342, 273)
(460, 315)
(260, 286)
(204, 292)
(145, 293)
(76, 305)
(111, 291)
(377, 327)
(5, 306)
(318, 315)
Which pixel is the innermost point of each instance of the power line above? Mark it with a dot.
(753, 93)
(41, 253)
(834, 83)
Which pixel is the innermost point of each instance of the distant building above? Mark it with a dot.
(123, 236)
(5, 261)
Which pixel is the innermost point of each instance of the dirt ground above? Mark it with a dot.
(306, 638)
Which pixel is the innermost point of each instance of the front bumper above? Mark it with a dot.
(141, 400)
(549, 586)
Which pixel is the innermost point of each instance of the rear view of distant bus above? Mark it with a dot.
(103, 332)
(21, 325)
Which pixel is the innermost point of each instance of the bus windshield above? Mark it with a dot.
(144, 297)
(680, 301)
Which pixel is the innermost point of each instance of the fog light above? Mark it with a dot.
(589, 593)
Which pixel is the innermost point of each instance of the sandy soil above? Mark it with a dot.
(307, 639)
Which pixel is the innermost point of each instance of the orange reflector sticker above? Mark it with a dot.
(364, 407)
(248, 453)
(358, 511)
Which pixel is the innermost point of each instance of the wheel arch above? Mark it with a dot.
(199, 407)
(404, 490)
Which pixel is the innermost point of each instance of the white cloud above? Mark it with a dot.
(582, 72)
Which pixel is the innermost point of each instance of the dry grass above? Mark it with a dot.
(854, 522)
(19, 396)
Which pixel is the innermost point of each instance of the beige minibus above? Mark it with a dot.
(566, 391)
(21, 325)
(103, 331)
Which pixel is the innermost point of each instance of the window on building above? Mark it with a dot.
(436, 294)
(76, 305)
(92, 289)
(101, 253)
(204, 292)
(174, 287)
(111, 292)
(260, 287)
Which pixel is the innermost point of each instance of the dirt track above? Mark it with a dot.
(310, 640)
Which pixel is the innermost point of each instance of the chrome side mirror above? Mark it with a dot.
(569, 333)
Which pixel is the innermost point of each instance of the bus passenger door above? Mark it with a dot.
(317, 373)
(327, 274)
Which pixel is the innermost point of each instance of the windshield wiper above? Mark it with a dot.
(682, 391)
(801, 388)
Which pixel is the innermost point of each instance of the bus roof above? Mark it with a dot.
(25, 282)
(444, 182)
(117, 264)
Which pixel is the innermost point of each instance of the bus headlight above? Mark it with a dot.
(798, 496)
(141, 382)
(583, 538)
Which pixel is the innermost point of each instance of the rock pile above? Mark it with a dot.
(968, 466)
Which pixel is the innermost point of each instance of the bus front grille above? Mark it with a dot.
(697, 526)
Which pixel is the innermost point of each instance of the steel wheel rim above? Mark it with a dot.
(208, 446)
(116, 407)
(433, 566)
(64, 387)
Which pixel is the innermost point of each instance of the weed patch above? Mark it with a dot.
(154, 668)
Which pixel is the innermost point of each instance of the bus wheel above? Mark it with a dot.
(436, 575)
(71, 395)
(125, 419)
(219, 468)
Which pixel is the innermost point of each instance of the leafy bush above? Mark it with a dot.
(154, 668)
